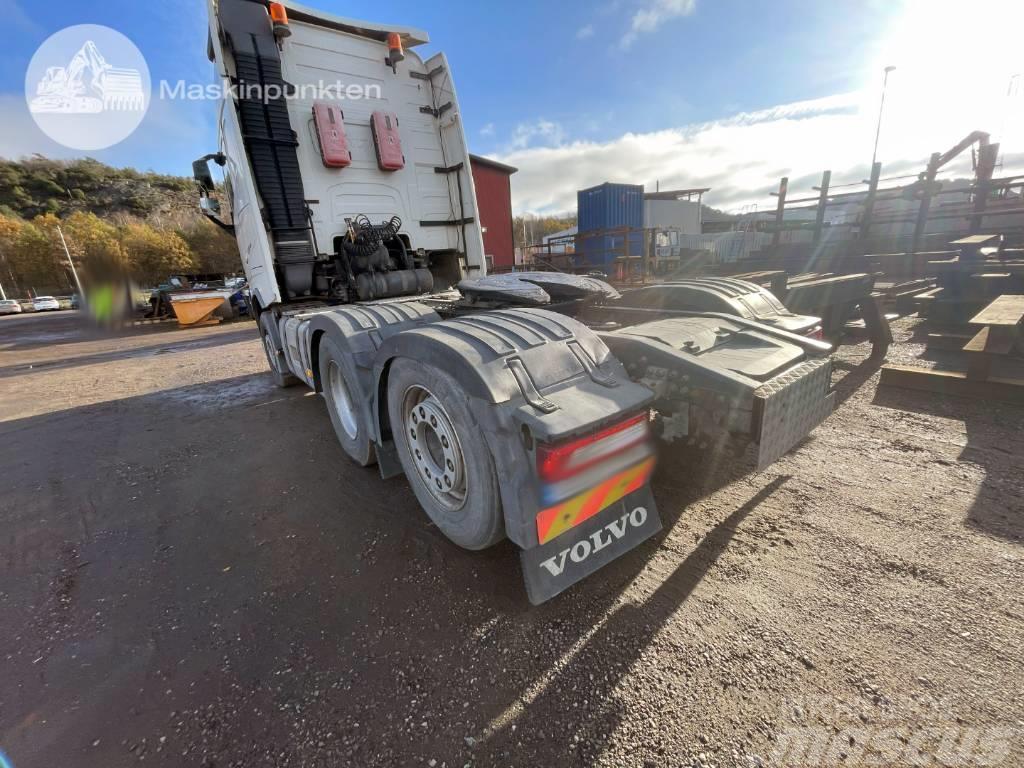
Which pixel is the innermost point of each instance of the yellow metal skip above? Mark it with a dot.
(197, 309)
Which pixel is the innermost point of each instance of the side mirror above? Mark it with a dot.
(201, 173)
(210, 206)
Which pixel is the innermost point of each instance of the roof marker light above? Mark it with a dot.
(279, 16)
(395, 52)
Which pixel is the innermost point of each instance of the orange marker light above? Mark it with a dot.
(279, 16)
(394, 41)
(395, 52)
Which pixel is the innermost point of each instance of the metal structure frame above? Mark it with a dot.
(925, 188)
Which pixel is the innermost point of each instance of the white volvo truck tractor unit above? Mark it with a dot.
(529, 406)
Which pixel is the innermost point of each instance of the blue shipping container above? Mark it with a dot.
(610, 206)
(599, 251)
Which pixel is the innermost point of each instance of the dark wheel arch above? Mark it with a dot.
(274, 352)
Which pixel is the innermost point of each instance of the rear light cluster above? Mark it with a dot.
(581, 477)
(557, 463)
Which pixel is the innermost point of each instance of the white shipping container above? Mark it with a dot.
(681, 215)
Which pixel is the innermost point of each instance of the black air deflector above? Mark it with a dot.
(270, 141)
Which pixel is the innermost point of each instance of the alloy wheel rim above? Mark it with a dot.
(435, 448)
(342, 400)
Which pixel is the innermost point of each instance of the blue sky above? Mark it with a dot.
(721, 93)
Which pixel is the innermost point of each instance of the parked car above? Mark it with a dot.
(44, 303)
(9, 307)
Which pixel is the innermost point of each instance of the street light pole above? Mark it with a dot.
(74, 272)
(3, 294)
(881, 106)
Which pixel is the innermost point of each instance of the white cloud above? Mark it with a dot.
(742, 157)
(842, 102)
(933, 100)
(584, 32)
(540, 132)
(653, 15)
(487, 130)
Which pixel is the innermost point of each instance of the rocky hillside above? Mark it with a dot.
(37, 186)
(114, 220)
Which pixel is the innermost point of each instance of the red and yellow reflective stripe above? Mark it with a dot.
(567, 514)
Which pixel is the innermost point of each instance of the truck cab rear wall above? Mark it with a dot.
(287, 206)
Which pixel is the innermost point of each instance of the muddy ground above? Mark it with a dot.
(192, 574)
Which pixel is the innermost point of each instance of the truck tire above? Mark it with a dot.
(275, 356)
(444, 454)
(337, 379)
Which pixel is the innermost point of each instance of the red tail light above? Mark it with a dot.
(816, 333)
(558, 462)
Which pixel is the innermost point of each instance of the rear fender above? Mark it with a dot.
(529, 375)
(358, 331)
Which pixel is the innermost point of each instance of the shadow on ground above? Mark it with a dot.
(994, 443)
(200, 575)
(613, 649)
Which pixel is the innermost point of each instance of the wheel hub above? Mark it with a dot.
(435, 447)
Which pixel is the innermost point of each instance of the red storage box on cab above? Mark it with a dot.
(384, 126)
(330, 130)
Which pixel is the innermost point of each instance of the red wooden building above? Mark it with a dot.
(494, 202)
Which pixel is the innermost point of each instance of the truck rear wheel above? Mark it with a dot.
(444, 454)
(275, 356)
(339, 386)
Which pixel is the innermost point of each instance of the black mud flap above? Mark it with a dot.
(553, 567)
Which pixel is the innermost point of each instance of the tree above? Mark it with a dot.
(531, 229)
(10, 231)
(35, 261)
(94, 244)
(153, 254)
(215, 250)
(10, 228)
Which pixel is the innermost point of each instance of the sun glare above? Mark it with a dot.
(957, 68)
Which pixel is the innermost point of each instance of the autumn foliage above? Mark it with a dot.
(32, 257)
(115, 220)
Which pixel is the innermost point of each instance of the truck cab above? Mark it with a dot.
(397, 216)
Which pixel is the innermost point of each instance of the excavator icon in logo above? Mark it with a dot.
(89, 85)
(82, 98)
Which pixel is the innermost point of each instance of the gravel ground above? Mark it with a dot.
(191, 573)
